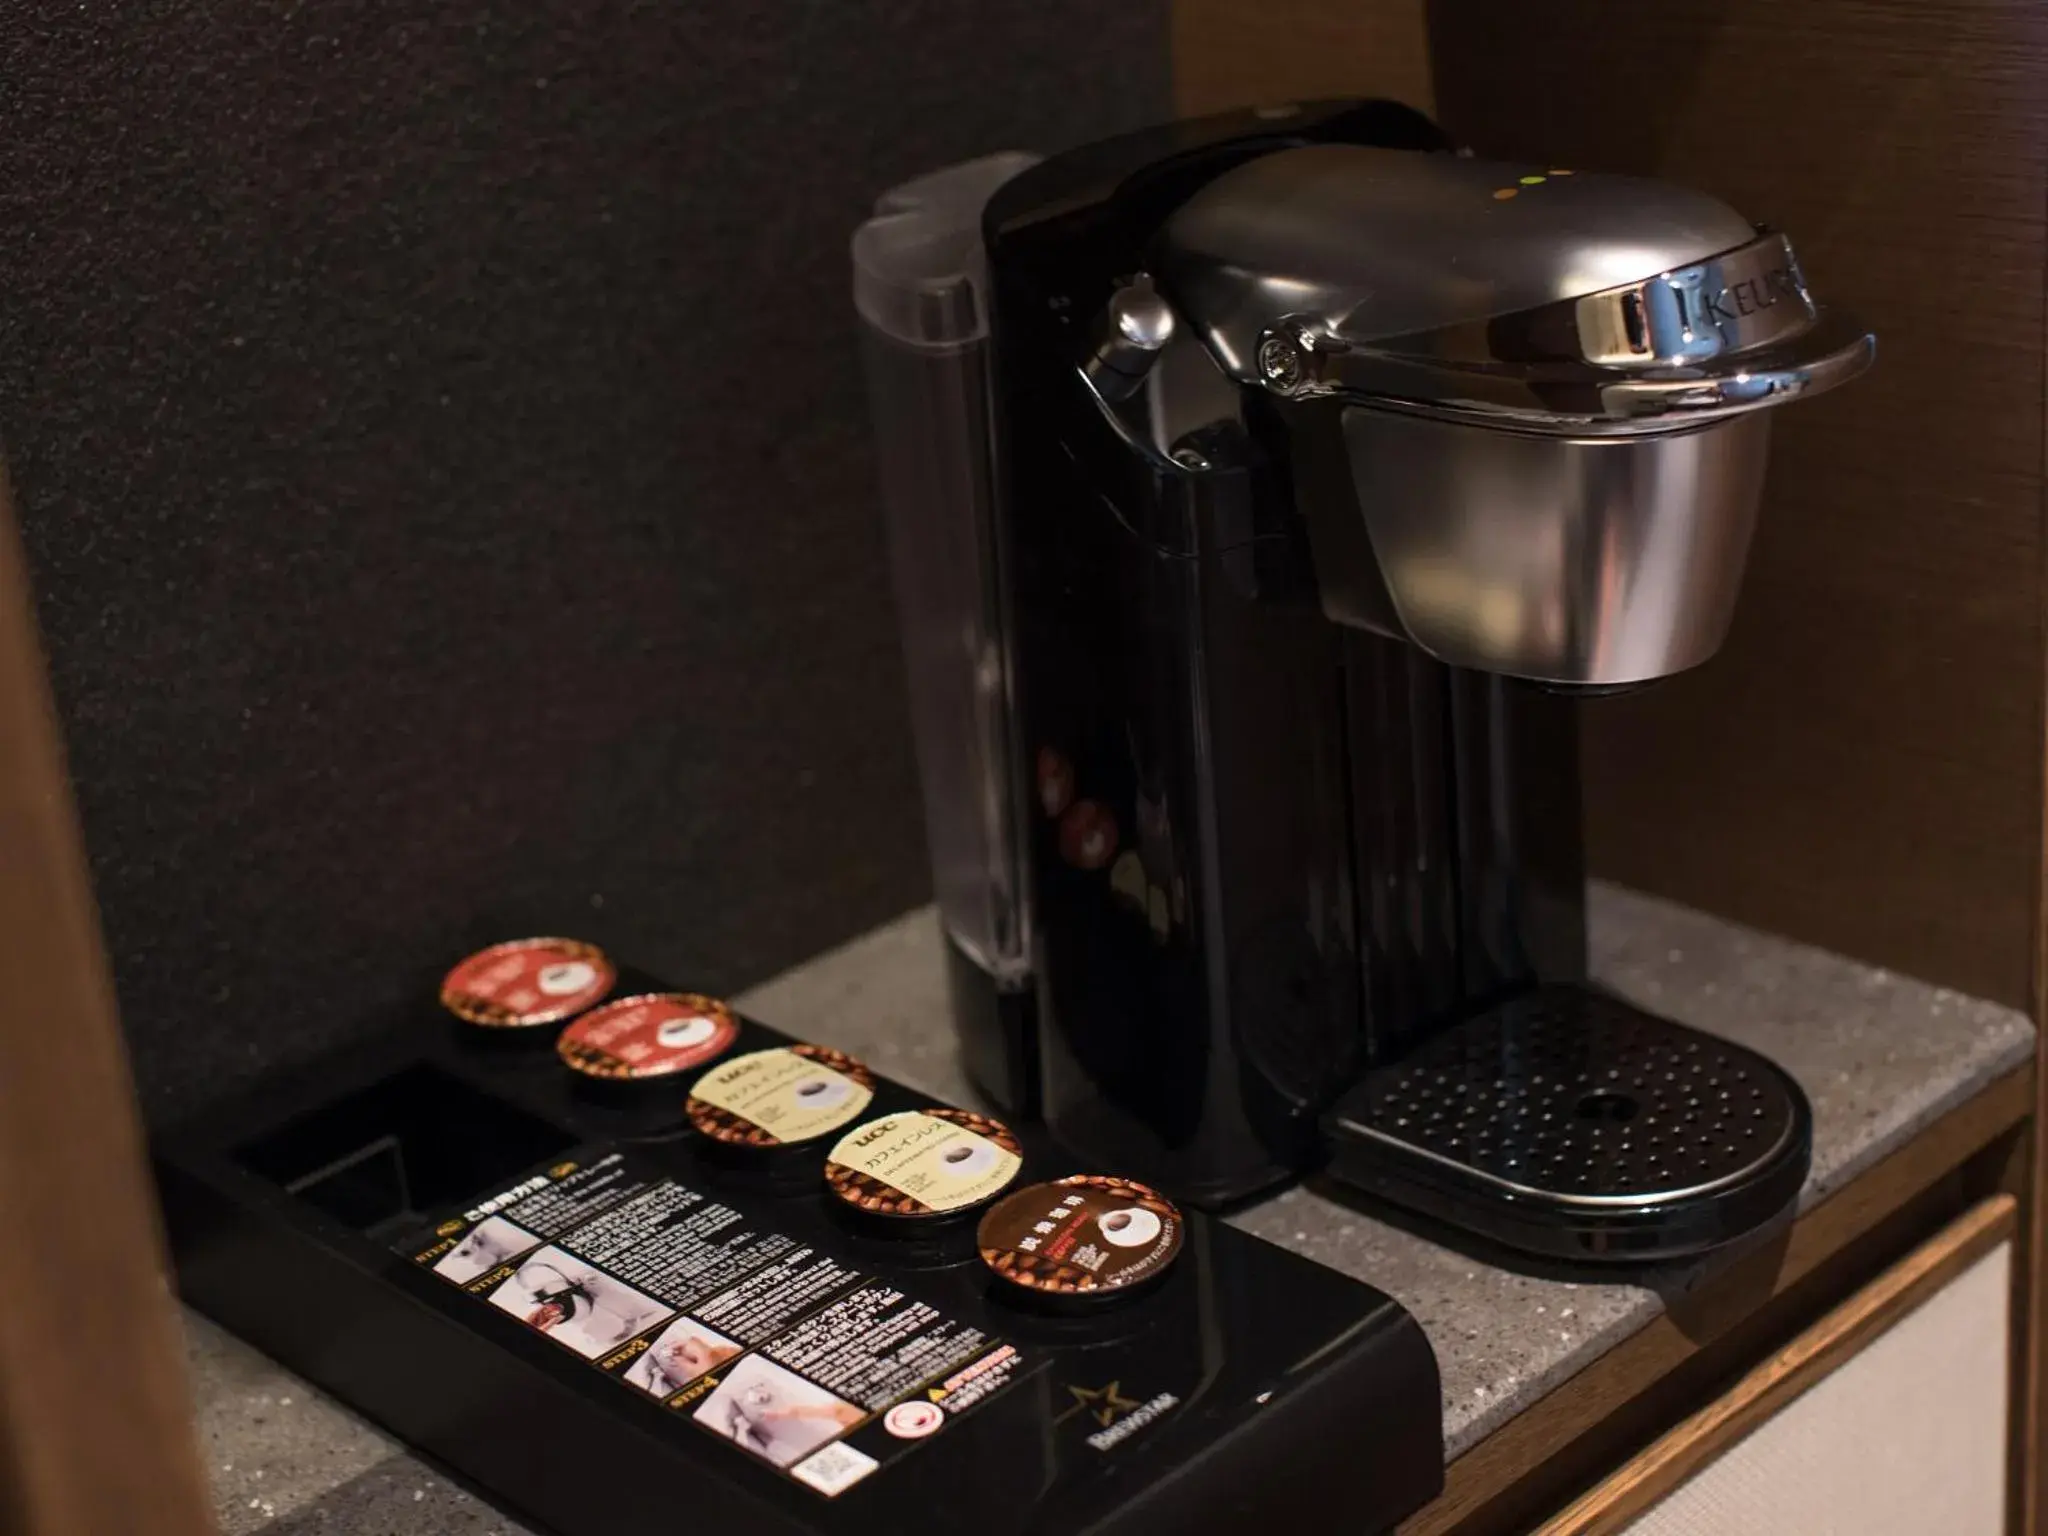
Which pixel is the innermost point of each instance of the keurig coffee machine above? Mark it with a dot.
(1265, 493)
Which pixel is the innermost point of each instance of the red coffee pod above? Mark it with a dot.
(1082, 1239)
(1055, 781)
(655, 1035)
(527, 983)
(1087, 835)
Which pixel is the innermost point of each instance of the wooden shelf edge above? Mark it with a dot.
(1794, 1370)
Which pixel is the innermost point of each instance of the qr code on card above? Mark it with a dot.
(834, 1469)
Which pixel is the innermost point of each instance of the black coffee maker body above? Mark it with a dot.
(1320, 471)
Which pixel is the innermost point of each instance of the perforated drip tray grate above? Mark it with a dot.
(1571, 1124)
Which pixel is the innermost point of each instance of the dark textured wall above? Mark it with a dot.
(438, 437)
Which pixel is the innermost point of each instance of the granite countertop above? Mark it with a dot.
(1879, 1055)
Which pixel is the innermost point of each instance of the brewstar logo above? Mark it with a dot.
(1102, 1404)
(448, 1228)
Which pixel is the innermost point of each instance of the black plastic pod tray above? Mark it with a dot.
(1249, 1388)
(1570, 1124)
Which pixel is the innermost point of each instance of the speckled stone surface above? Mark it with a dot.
(1879, 1055)
(273, 1445)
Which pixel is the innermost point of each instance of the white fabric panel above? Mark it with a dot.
(1907, 1439)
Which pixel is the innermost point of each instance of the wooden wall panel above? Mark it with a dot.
(1861, 767)
(1228, 54)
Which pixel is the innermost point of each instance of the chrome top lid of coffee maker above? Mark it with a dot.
(1524, 406)
(1523, 297)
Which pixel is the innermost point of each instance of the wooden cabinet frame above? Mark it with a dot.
(1689, 1447)
(95, 1418)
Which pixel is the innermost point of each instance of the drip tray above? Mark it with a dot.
(1570, 1124)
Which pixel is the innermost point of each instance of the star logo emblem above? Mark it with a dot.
(1102, 1404)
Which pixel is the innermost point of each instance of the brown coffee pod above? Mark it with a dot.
(1081, 1239)
(647, 1038)
(780, 1098)
(924, 1165)
(527, 983)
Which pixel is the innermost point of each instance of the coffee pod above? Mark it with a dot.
(1081, 1240)
(923, 1167)
(648, 1038)
(787, 1097)
(528, 983)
